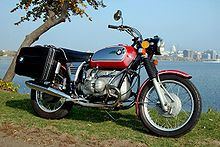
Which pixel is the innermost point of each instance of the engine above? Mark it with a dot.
(97, 82)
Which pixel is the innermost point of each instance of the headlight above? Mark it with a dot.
(156, 43)
(160, 43)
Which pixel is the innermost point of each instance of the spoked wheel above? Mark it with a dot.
(184, 107)
(48, 106)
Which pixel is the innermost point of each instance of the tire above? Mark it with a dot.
(185, 112)
(49, 107)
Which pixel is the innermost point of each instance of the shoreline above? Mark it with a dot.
(168, 60)
(7, 53)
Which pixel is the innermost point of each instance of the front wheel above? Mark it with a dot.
(184, 108)
(48, 106)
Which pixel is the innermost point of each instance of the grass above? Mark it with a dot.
(86, 123)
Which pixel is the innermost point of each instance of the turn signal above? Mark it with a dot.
(145, 44)
(156, 62)
(144, 51)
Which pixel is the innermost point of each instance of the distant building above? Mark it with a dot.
(197, 56)
(206, 56)
(173, 50)
(164, 52)
(213, 54)
(188, 54)
(185, 53)
(180, 54)
(1, 53)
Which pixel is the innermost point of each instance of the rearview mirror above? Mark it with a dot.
(118, 15)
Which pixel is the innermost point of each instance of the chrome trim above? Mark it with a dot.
(58, 68)
(47, 90)
(110, 53)
(63, 53)
(160, 93)
(78, 71)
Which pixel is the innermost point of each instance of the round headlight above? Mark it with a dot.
(160, 43)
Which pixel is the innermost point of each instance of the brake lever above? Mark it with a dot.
(121, 28)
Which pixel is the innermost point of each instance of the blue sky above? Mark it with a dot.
(187, 24)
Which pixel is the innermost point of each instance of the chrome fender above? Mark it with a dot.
(162, 72)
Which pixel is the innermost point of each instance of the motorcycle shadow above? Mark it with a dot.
(123, 118)
(22, 104)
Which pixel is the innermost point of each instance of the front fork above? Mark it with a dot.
(153, 76)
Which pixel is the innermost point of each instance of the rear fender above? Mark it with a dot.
(162, 72)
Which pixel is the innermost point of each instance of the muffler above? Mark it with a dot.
(57, 93)
(48, 90)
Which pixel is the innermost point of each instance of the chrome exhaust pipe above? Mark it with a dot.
(47, 90)
(57, 93)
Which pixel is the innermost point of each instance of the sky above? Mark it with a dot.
(187, 24)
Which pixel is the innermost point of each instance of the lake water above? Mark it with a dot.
(205, 76)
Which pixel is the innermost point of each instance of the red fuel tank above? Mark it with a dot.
(115, 57)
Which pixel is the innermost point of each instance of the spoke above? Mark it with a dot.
(168, 123)
(163, 125)
(152, 101)
(49, 107)
(186, 100)
(169, 87)
(178, 91)
(176, 118)
(185, 112)
(55, 106)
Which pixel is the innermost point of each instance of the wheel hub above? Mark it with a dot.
(174, 106)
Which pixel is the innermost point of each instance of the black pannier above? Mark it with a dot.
(37, 62)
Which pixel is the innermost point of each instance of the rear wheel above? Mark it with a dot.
(185, 108)
(48, 106)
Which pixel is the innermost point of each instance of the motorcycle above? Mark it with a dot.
(167, 103)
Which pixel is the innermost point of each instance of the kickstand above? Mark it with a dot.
(110, 115)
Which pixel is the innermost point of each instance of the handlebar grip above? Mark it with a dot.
(112, 27)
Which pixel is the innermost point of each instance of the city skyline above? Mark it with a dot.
(190, 54)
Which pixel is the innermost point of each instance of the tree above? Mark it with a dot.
(52, 12)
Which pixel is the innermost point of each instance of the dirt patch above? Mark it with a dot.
(8, 141)
(211, 142)
(11, 135)
(35, 136)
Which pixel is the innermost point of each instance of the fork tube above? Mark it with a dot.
(161, 95)
(150, 68)
(152, 73)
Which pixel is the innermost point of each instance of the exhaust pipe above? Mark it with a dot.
(57, 93)
(47, 90)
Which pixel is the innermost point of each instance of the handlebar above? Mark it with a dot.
(156, 42)
(113, 27)
(131, 31)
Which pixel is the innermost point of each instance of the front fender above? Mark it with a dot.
(162, 72)
(175, 72)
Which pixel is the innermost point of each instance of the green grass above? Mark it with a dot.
(86, 123)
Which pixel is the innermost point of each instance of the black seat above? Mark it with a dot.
(76, 56)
